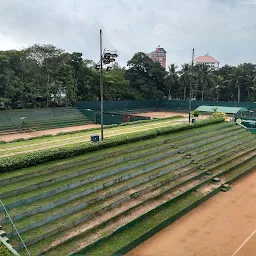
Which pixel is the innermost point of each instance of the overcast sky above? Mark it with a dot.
(226, 29)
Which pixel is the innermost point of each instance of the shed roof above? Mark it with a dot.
(227, 110)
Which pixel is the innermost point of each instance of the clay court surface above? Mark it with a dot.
(222, 226)
(26, 135)
(161, 114)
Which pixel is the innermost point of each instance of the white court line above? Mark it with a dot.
(244, 243)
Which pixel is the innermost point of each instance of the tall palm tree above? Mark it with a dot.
(205, 78)
(185, 78)
(237, 79)
(171, 79)
(218, 85)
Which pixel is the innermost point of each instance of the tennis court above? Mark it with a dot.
(222, 226)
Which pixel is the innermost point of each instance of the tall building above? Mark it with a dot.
(207, 59)
(159, 55)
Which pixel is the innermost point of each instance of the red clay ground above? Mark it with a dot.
(162, 114)
(26, 135)
(218, 227)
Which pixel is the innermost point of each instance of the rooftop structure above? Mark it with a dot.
(159, 55)
(227, 110)
(207, 59)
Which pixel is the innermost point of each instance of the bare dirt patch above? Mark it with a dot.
(162, 114)
(27, 135)
(217, 227)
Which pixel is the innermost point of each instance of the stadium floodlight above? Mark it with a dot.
(190, 88)
(106, 60)
(107, 57)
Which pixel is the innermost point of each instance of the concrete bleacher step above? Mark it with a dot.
(6, 239)
(2, 233)
(225, 187)
(41, 119)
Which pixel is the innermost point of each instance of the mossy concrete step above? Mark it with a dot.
(216, 179)
(225, 187)
(2, 233)
(6, 239)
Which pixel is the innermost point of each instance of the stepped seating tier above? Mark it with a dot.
(66, 208)
(40, 119)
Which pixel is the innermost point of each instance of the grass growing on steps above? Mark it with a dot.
(120, 148)
(49, 213)
(4, 251)
(71, 244)
(55, 197)
(239, 138)
(76, 202)
(118, 241)
(8, 164)
(60, 173)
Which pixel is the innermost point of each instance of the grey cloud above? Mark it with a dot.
(224, 28)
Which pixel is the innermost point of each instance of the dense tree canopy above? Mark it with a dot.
(43, 75)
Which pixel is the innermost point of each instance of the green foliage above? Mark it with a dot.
(4, 251)
(44, 75)
(216, 114)
(204, 79)
(195, 113)
(4, 100)
(8, 164)
(146, 77)
(185, 79)
(171, 80)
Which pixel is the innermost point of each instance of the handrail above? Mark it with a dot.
(9, 247)
(7, 214)
(243, 126)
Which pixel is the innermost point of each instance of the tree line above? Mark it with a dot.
(44, 75)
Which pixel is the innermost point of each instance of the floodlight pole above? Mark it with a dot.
(101, 89)
(190, 90)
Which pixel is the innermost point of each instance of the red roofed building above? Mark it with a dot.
(206, 59)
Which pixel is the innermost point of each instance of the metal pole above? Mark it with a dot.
(9, 217)
(190, 90)
(101, 88)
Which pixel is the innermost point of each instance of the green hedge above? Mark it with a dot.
(92, 129)
(4, 251)
(11, 163)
